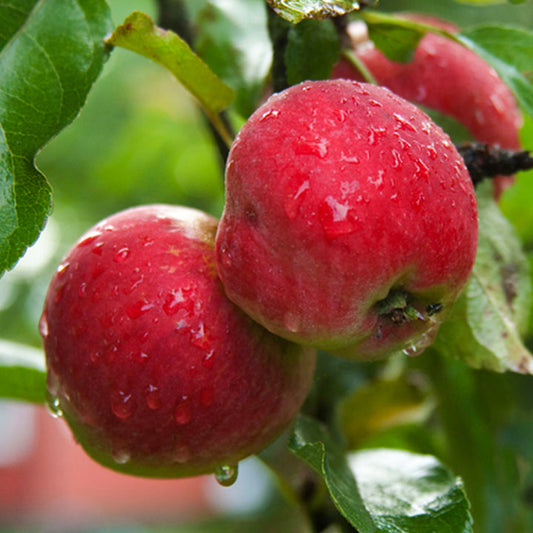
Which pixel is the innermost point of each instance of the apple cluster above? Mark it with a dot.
(177, 345)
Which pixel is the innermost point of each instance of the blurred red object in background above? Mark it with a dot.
(47, 479)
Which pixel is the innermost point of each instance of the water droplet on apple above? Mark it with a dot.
(54, 405)
(122, 404)
(89, 238)
(226, 475)
(43, 326)
(182, 453)
(208, 359)
(98, 248)
(419, 344)
(82, 290)
(173, 302)
(121, 255)
(183, 411)
(138, 308)
(94, 357)
(62, 268)
(397, 161)
(152, 397)
(121, 456)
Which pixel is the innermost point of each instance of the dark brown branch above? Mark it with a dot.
(485, 161)
(173, 16)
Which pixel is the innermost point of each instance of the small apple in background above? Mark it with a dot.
(447, 77)
(350, 221)
(157, 373)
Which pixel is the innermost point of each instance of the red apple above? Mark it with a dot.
(350, 221)
(155, 370)
(445, 76)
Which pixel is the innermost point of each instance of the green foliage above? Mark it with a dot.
(44, 81)
(139, 34)
(312, 49)
(492, 312)
(233, 40)
(22, 373)
(410, 492)
(297, 10)
(397, 38)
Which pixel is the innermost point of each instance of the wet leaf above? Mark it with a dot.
(232, 38)
(22, 373)
(313, 48)
(492, 312)
(139, 34)
(382, 405)
(411, 493)
(51, 53)
(297, 10)
(311, 442)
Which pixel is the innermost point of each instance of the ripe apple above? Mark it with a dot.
(350, 221)
(447, 77)
(157, 373)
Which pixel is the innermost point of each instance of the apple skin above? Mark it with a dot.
(156, 372)
(447, 77)
(339, 194)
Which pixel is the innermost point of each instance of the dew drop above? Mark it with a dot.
(173, 302)
(94, 357)
(89, 238)
(82, 290)
(152, 397)
(43, 326)
(418, 345)
(98, 248)
(199, 337)
(208, 359)
(62, 268)
(121, 255)
(374, 103)
(121, 456)
(183, 411)
(226, 475)
(396, 159)
(137, 309)
(291, 322)
(54, 405)
(133, 285)
(122, 404)
(182, 453)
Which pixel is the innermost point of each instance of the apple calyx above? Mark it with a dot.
(398, 307)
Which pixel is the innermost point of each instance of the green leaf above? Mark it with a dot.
(51, 53)
(505, 49)
(312, 49)
(139, 34)
(297, 10)
(509, 44)
(410, 493)
(232, 38)
(382, 405)
(396, 41)
(22, 373)
(311, 442)
(491, 314)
